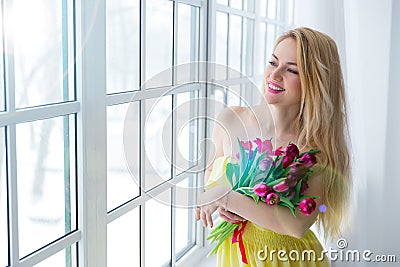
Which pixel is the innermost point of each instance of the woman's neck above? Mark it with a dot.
(284, 122)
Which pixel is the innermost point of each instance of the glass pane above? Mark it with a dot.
(270, 40)
(249, 5)
(184, 214)
(248, 50)
(123, 240)
(188, 33)
(262, 7)
(290, 10)
(261, 49)
(236, 4)
(222, 39)
(272, 9)
(222, 2)
(221, 47)
(66, 257)
(38, 43)
(3, 202)
(158, 230)
(123, 146)
(158, 134)
(2, 92)
(187, 44)
(122, 45)
(235, 45)
(46, 181)
(159, 32)
(186, 112)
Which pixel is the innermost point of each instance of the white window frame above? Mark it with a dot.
(91, 119)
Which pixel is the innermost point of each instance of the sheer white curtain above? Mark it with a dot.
(368, 37)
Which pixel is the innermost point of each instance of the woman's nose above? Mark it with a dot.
(276, 74)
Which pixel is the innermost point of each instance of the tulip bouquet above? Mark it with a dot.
(276, 177)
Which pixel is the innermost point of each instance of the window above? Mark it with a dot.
(103, 109)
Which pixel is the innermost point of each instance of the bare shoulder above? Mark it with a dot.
(230, 114)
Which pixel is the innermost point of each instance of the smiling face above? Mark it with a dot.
(282, 80)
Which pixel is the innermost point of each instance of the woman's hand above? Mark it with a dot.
(205, 214)
(209, 202)
(229, 216)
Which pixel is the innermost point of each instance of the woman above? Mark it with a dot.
(305, 105)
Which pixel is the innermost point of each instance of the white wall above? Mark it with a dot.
(367, 34)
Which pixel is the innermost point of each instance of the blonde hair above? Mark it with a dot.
(322, 122)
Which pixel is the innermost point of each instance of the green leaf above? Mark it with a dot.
(297, 194)
(229, 172)
(287, 202)
(243, 158)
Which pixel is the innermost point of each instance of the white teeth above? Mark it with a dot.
(273, 87)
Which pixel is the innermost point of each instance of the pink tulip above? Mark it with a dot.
(308, 160)
(272, 199)
(262, 146)
(262, 190)
(307, 206)
(237, 155)
(281, 187)
(247, 145)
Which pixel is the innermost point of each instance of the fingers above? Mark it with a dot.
(229, 216)
(205, 215)
(197, 213)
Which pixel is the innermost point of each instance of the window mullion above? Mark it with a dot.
(11, 149)
(92, 151)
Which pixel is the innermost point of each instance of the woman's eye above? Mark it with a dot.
(293, 71)
(273, 63)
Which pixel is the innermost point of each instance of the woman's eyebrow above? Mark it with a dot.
(289, 63)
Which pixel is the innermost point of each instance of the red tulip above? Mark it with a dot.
(308, 160)
(262, 190)
(307, 206)
(292, 151)
(278, 151)
(286, 161)
(281, 187)
(272, 199)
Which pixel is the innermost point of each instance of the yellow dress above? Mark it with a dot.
(264, 247)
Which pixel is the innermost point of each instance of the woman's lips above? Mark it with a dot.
(274, 88)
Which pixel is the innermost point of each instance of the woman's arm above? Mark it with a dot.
(220, 133)
(276, 218)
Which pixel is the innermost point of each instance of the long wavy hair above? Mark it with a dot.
(322, 121)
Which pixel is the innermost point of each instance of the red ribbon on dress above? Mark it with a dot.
(237, 237)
